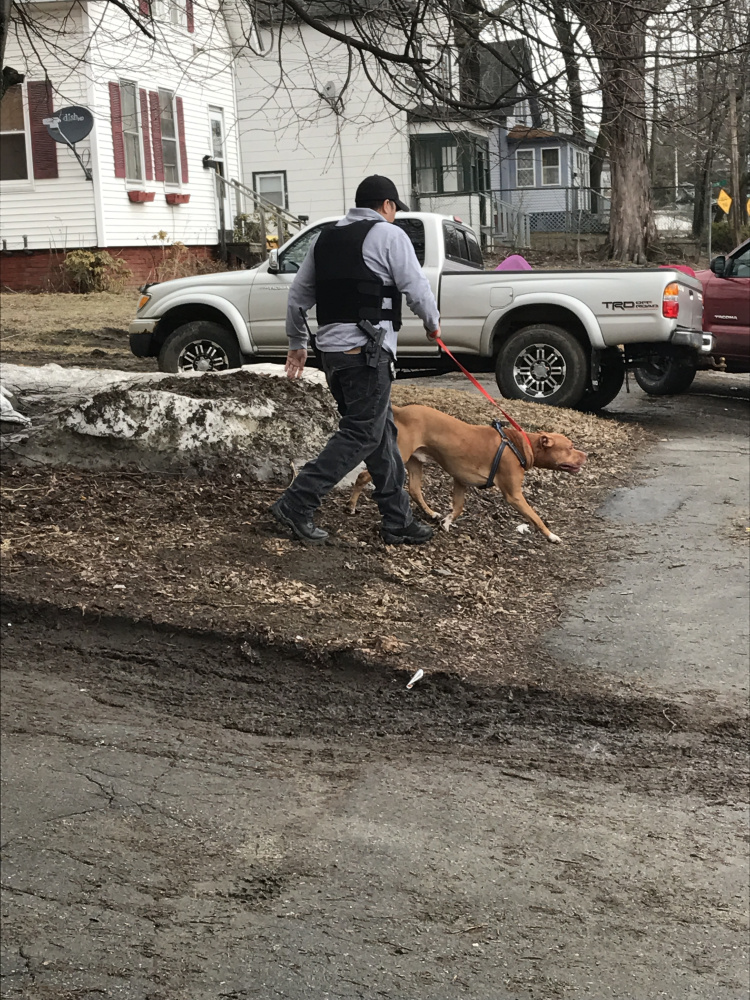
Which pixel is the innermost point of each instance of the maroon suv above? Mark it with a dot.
(726, 315)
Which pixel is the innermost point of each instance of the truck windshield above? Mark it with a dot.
(291, 259)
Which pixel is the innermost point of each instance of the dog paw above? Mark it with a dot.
(523, 529)
(446, 523)
(553, 538)
(351, 511)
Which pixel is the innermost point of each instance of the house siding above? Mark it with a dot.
(56, 212)
(68, 211)
(286, 125)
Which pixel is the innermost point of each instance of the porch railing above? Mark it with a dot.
(560, 209)
(283, 222)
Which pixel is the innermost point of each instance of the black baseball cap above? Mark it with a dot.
(378, 188)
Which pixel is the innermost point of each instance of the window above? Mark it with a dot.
(414, 229)
(271, 185)
(461, 246)
(172, 11)
(13, 166)
(525, 168)
(176, 13)
(582, 178)
(449, 163)
(168, 137)
(522, 113)
(472, 245)
(130, 131)
(739, 265)
(291, 259)
(550, 166)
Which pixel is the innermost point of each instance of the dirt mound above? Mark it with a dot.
(256, 424)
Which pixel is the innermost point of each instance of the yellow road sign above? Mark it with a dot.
(724, 201)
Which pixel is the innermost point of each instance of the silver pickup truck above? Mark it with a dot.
(557, 337)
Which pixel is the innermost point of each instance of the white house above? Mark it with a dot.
(312, 126)
(159, 106)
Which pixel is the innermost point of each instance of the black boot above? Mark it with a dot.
(305, 531)
(413, 534)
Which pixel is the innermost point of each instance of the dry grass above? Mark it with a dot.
(27, 319)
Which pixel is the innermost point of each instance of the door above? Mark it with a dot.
(411, 337)
(727, 308)
(270, 292)
(223, 203)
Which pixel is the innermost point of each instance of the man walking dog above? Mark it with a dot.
(355, 276)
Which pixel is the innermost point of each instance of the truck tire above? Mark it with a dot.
(200, 346)
(611, 378)
(665, 376)
(542, 364)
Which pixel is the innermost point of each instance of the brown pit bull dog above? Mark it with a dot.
(472, 454)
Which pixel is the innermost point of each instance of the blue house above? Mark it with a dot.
(546, 175)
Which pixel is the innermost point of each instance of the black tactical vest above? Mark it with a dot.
(346, 290)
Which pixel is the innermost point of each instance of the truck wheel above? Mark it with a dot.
(665, 376)
(611, 378)
(200, 346)
(542, 364)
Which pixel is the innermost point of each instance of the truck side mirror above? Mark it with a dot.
(718, 266)
(273, 262)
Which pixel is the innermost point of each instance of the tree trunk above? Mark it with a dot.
(631, 225)
(618, 36)
(735, 212)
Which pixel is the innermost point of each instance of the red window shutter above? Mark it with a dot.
(156, 135)
(181, 137)
(118, 142)
(146, 133)
(190, 15)
(43, 146)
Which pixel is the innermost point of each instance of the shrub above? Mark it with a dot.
(95, 271)
(722, 240)
(179, 261)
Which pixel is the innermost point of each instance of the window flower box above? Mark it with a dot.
(177, 199)
(141, 196)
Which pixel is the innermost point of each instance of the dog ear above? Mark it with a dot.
(544, 441)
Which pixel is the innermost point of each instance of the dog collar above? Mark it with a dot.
(504, 442)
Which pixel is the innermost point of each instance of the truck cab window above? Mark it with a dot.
(461, 246)
(474, 250)
(291, 259)
(414, 229)
(740, 265)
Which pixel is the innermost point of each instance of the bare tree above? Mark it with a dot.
(597, 49)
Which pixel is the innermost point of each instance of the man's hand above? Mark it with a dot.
(295, 363)
(434, 334)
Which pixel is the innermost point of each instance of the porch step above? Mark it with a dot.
(248, 253)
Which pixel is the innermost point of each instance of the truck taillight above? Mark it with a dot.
(670, 303)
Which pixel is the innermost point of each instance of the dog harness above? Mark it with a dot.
(346, 290)
(504, 442)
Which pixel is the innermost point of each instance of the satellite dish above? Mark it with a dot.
(69, 125)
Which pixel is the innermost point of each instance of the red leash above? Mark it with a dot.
(484, 392)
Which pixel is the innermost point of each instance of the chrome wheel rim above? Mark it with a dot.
(539, 371)
(203, 356)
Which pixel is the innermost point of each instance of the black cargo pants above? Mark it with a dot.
(366, 433)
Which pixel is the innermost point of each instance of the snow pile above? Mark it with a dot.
(244, 421)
